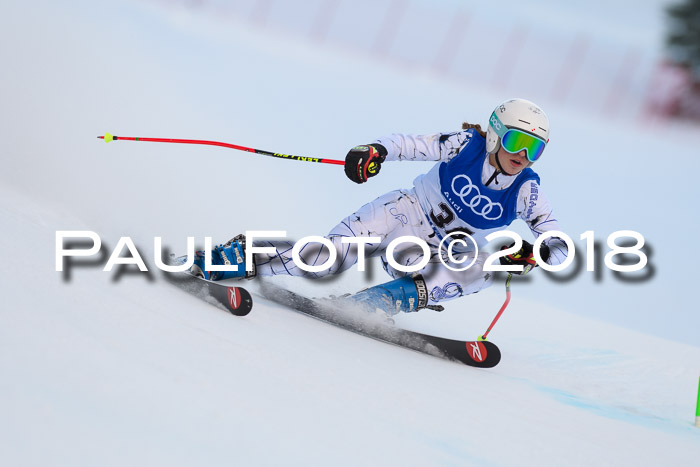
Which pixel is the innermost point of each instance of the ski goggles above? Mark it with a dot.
(514, 140)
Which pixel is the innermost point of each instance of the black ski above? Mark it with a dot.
(236, 300)
(481, 354)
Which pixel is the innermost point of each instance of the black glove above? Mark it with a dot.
(363, 162)
(524, 257)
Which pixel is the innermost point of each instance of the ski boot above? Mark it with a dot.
(230, 253)
(403, 295)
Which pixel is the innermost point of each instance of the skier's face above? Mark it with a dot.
(512, 163)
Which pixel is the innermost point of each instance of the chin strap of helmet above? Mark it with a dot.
(500, 167)
(493, 177)
(498, 171)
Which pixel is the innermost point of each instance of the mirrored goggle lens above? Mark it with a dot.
(515, 141)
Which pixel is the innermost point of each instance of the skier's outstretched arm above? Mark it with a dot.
(364, 162)
(435, 147)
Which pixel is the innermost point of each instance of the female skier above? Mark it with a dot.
(481, 184)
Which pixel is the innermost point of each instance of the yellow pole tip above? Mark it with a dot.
(108, 137)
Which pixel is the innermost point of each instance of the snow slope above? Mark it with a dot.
(122, 368)
(117, 370)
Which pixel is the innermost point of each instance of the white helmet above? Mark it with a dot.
(516, 113)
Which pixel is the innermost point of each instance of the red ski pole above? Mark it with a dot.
(500, 312)
(108, 137)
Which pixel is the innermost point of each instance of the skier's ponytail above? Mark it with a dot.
(477, 127)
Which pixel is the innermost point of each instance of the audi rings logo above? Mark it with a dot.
(479, 204)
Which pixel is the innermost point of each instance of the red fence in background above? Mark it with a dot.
(572, 65)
